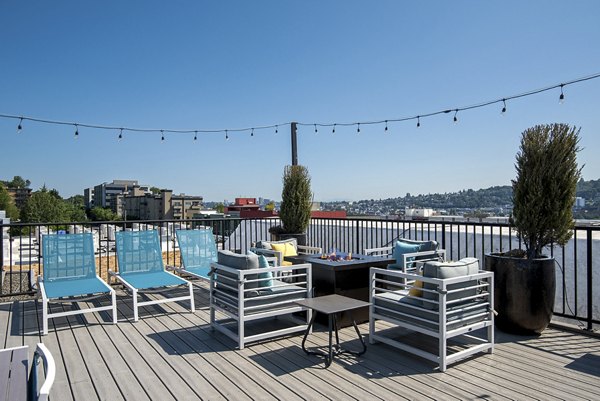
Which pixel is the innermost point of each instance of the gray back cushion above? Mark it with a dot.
(463, 267)
(239, 262)
(424, 245)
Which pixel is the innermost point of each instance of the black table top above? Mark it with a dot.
(329, 304)
(357, 261)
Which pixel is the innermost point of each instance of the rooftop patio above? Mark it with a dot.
(172, 354)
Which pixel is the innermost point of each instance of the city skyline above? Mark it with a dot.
(219, 66)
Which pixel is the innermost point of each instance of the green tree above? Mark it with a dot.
(103, 214)
(18, 182)
(155, 190)
(7, 204)
(76, 208)
(220, 208)
(44, 207)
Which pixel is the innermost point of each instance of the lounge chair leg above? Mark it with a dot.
(113, 295)
(135, 306)
(192, 297)
(45, 316)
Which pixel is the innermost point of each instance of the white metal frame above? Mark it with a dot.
(50, 368)
(379, 284)
(234, 306)
(45, 300)
(134, 292)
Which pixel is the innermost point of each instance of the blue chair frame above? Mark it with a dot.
(69, 274)
(141, 268)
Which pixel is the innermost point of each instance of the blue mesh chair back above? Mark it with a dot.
(139, 251)
(197, 248)
(68, 256)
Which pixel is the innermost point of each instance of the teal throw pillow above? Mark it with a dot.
(268, 276)
(402, 248)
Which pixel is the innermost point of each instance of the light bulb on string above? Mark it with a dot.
(333, 130)
(20, 126)
(76, 131)
(252, 133)
(504, 106)
(455, 118)
(418, 121)
(276, 129)
(316, 131)
(120, 135)
(358, 129)
(226, 135)
(162, 136)
(561, 98)
(386, 127)
(195, 135)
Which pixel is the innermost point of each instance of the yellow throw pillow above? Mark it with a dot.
(286, 248)
(415, 290)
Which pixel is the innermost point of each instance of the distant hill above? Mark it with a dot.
(496, 199)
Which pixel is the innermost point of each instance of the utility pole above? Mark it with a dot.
(294, 144)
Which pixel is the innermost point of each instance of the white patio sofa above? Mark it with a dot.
(456, 299)
(242, 291)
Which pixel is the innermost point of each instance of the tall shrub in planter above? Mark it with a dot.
(543, 197)
(296, 202)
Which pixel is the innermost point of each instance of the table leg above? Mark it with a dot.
(359, 337)
(310, 325)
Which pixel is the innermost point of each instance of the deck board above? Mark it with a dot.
(173, 354)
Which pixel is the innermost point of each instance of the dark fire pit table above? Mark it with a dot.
(349, 278)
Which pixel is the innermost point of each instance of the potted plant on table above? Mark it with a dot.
(543, 197)
(296, 203)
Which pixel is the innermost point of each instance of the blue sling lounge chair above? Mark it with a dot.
(198, 250)
(69, 275)
(141, 268)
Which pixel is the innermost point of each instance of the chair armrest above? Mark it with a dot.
(269, 253)
(383, 251)
(309, 250)
(50, 368)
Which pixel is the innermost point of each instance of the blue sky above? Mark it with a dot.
(231, 64)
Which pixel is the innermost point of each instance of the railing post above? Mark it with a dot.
(443, 245)
(590, 301)
(356, 237)
(2, 246)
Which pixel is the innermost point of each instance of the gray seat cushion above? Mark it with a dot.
(457, 315)
(282, 292)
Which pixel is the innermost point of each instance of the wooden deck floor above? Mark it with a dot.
(172, 354)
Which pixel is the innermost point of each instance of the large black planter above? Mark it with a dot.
(523, 293)
(300, 238)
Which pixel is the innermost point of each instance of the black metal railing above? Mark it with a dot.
(20, 252)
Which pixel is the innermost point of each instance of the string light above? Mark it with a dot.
(226, 135)
(316, 129)
(252, 133)
(195, 135)
(561, 98)
(333, 130)
(358, 129)
(386, 127)
(76, 132)
(21, 119)
(162, 136)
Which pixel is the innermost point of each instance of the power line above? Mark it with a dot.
(226, 131)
